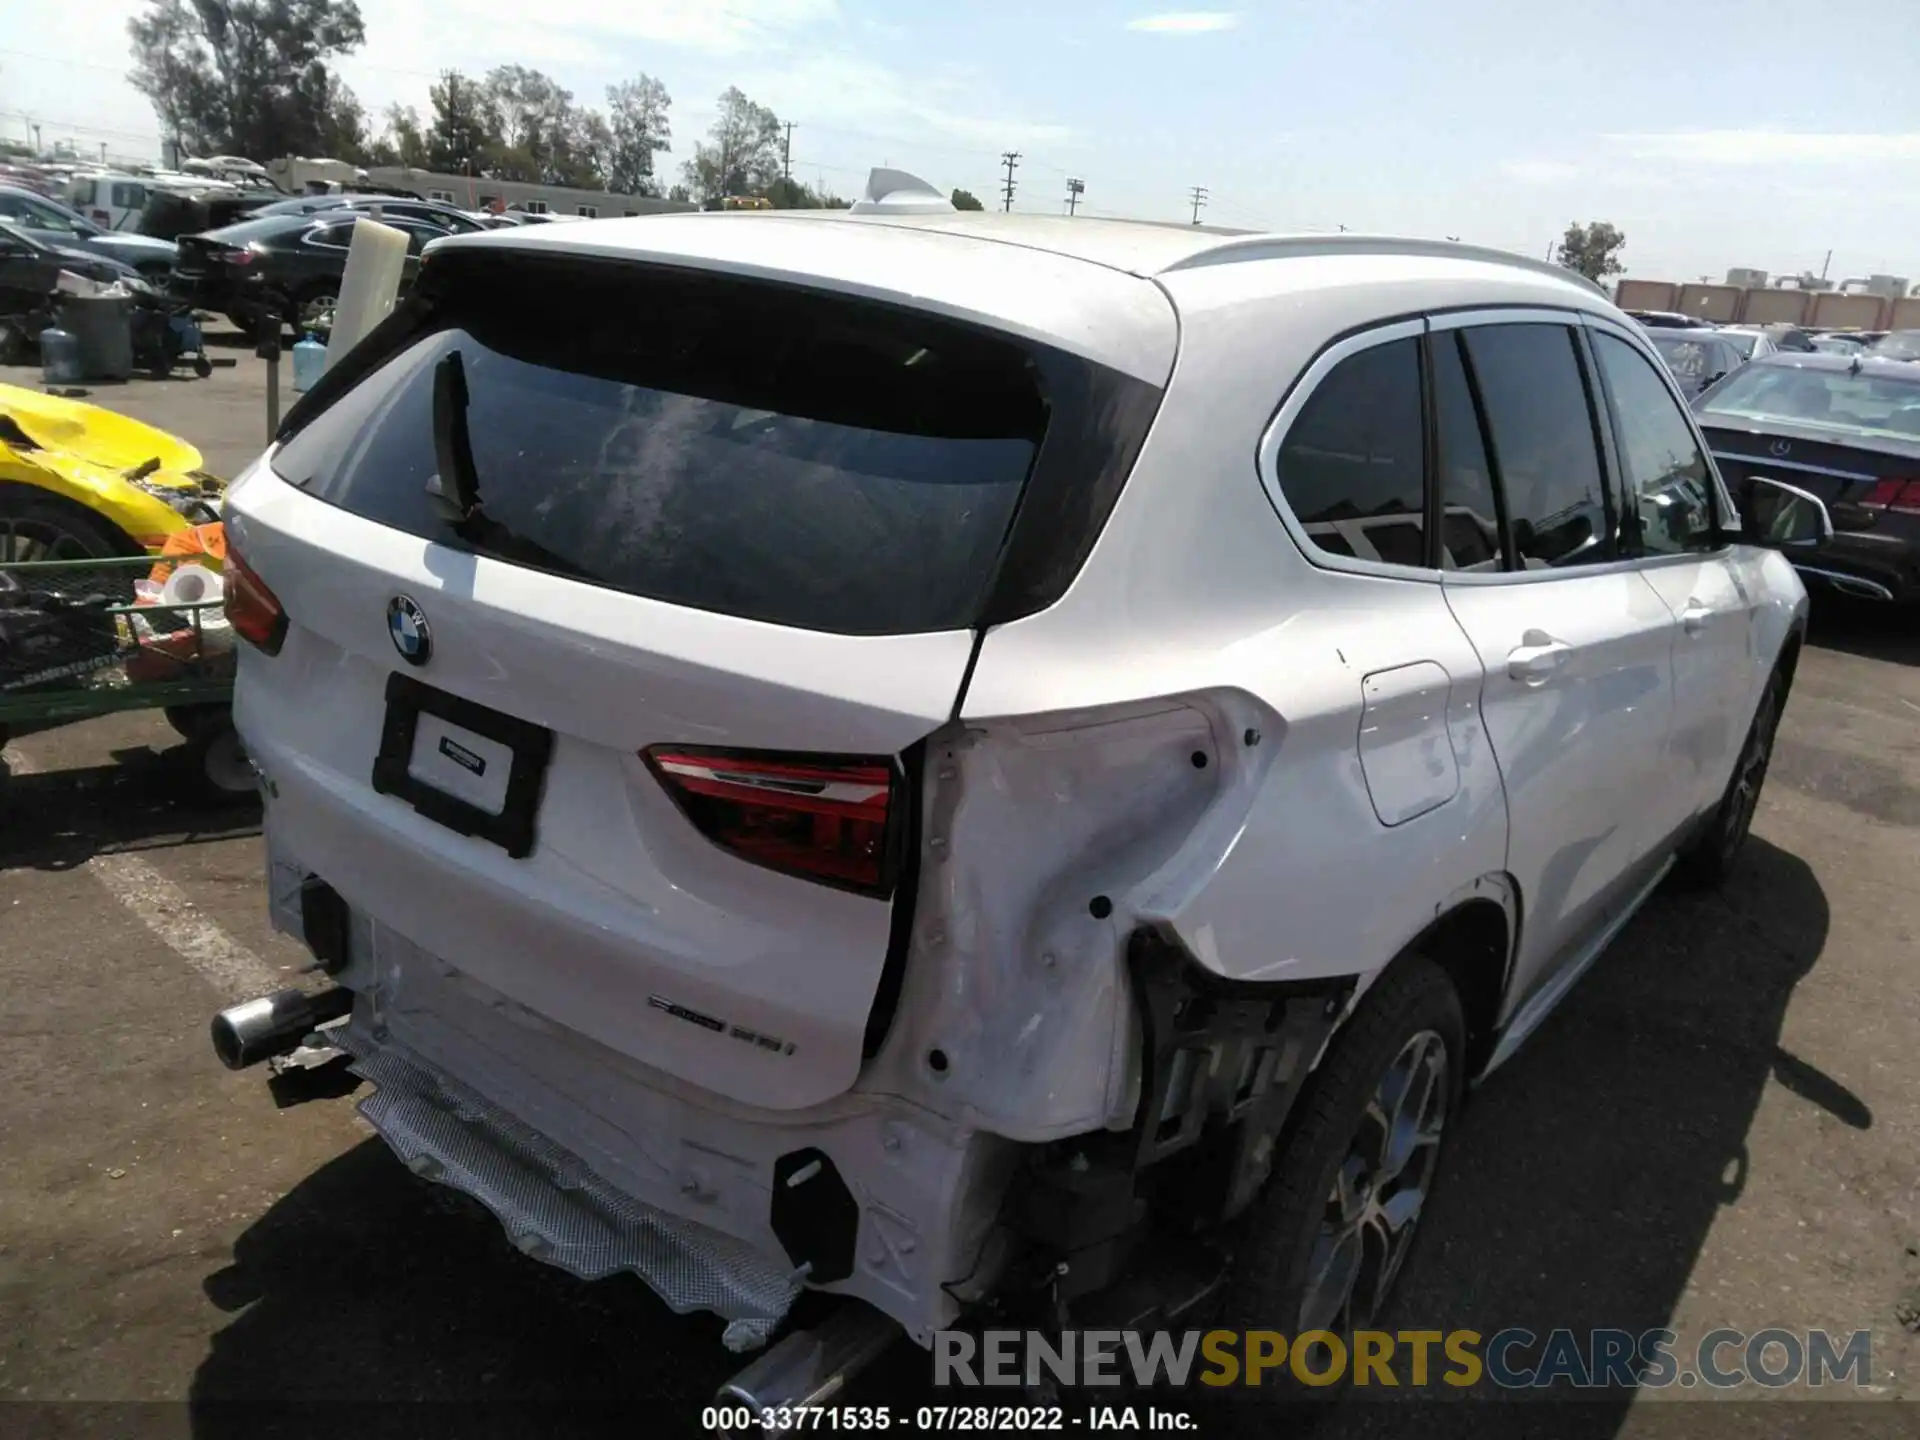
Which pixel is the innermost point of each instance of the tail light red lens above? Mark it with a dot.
(252, 609)
(1901, 495)
(831, 819)
(236, 257)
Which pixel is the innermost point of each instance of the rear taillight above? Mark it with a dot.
(820, 817)
(1901, 495)
(252, 609)
(234, 257)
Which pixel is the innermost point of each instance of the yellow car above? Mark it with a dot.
(77, 481)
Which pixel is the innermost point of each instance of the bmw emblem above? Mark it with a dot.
(1779, 448)
(408, 629)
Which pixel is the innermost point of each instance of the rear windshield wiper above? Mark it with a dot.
(455, 489)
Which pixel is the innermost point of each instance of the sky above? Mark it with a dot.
(1714, 133)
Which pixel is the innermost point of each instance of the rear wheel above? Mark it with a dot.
(315, 304)
(1322, 1248)
(1708, 859)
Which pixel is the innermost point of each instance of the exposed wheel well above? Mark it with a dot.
(1471, 944)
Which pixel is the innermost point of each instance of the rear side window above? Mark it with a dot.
(750, 449)
(1352, 465)
(1544, 445)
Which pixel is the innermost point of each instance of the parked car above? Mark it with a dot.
(54, 224)
(112, 201)
(173, 213)
(285, 265)
(1669, 320)
(383, 207)
(78, 481)
(871, 792)
(1896, 345)
(1839, 345)
(1752, 341)
(17, 245)
(1847, 430)
(1697, 358)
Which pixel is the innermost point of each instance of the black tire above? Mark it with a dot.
(202, 366)
(35, 525)
(1708, 859)
(190, 722)
(1281, 1240)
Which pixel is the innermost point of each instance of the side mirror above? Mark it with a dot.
(1782, 516)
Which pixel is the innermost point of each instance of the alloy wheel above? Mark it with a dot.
(1751, 774)
(1379, 1190)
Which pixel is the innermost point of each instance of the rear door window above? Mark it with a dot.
(1545, 448)
(1353, 465)
(748, 449)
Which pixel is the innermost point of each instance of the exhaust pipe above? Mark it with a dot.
(809, 1367)
(246, 1034)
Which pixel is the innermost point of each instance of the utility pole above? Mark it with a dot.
(1075, 189)
(1198, 195)
(786, 160)
(1825, 263)
(1011, 159)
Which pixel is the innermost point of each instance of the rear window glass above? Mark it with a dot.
(260, 227)
(1353, 467)
(737, 448)
(1862, 404)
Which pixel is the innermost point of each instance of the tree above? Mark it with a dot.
(463, 130)
(637, 110)
(966, 200)
(404, 139)
(249, 77)
(741, 154)
(1592, 250)
(586, 151)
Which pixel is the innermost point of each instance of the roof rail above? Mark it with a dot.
(1275, 247)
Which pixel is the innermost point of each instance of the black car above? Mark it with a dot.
(285, 265)
(22, 254)
(379, 207)
(1847, 430)
(1697, 358)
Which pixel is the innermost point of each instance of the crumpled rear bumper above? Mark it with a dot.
(556, 1209)
(598, 1163)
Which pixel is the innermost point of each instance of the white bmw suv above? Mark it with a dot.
(964, 760)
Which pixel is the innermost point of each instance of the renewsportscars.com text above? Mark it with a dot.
(1514, 1359)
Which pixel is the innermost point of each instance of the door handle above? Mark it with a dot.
(1694, 618)
(1536, 658)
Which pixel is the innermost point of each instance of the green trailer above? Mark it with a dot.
(80, 639)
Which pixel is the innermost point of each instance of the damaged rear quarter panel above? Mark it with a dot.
(1014, 1015)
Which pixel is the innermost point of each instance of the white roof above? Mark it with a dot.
(1080, 283)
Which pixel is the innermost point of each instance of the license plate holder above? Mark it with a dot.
(530, 746)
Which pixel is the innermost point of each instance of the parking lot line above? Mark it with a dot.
(224, 963)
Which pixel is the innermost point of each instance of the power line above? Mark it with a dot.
(1199, 197)
(1011, 159)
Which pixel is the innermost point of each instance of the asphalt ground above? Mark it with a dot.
(1720, 1128)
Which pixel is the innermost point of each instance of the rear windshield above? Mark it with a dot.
(1840, 400)
(259, 227)
(747, 449)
